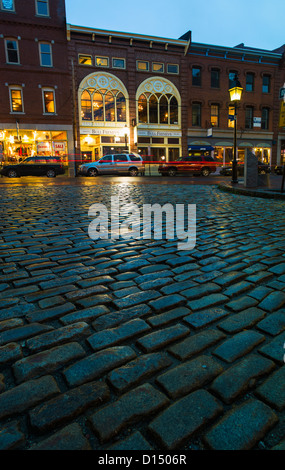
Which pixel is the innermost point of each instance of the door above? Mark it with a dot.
(105, 165)
(121, 163)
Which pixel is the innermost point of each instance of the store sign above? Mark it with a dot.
(257, 122)
(148, 133)
(43, 147)
(91, 131)
(59, 146)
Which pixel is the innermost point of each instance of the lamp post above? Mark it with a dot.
(235, 97)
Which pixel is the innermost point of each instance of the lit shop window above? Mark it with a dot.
(12, 51)
(45, 54)
(42, 7)
(157, 109)
(103, 105)
(118, 63)
(16, 100)
(84, 59)
(101, 61)
(143, 65)
(48, 101)
(173, 68)
(157, 67)
(7, 5)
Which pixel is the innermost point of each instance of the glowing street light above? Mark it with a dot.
(235, 97)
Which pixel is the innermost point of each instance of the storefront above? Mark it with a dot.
(158, 132)
(17, 144)
(159, 145)
(222, 151)
(103, 116)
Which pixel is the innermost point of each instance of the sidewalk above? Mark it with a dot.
(272, 191)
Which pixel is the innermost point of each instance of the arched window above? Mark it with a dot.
(108, 105)
(163, 110)
(173, 111)
(98, 112)
(121, 107)
(142, 108)
(157, 109)
(153, 109)
(86, 109)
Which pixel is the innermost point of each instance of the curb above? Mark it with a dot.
(252, 192)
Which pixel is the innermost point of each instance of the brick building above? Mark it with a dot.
(36, 97)
(211, 70)
(131, 93)
(69, 90)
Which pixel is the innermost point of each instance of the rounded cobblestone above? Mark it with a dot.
(134, 344)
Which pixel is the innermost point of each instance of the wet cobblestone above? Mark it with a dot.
(111, 344)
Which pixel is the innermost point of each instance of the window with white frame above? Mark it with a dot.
(45, 54)
(143, 65)
(12, 51)
(16, 99)
(7, 5)
(42, 7)
(48, 100)
(102, 61)
(173, 68)
(158, 67)
(118, 63)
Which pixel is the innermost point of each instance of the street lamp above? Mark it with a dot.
(235, 97)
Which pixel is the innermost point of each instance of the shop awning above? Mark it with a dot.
(206, 147)
(263, 144)
(246, 144)
(224, 144)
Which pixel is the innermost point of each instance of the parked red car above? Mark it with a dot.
(193, 165)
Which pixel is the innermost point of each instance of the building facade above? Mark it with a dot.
(130, 93)
(261, 73)
(83, 92)
(35, 99)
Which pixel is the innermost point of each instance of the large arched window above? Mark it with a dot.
(86, 108)
(103, 97)
(157, 109)
(121, 108)
(107, 105)
(98, 114)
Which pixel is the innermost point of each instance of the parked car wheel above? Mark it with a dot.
(205, 171)
(12, 174)
(172, 172)
(92, 172)
(51, 173)
(133, 171)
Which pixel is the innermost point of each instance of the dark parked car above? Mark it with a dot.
(34, 166)
(263, 168)
(195, 165)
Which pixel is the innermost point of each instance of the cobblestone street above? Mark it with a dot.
(134, 344)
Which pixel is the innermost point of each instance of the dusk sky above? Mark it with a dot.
(256, 23)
